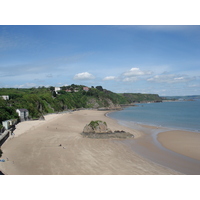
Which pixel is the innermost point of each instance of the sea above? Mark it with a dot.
(183, 115)
(177, 115)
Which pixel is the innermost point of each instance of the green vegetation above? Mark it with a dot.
(94, 124)
(42, 100)
(6, 111)
(1, 126)
(138, 97)
(181, 97)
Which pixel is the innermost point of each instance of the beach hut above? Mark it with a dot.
(9, 123)
(23, 114)
(6, 124)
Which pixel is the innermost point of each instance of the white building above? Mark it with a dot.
(23, 114)
(8, 123)
(57, 89)
(5, 97)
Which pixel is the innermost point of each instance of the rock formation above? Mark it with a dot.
(99, 129)
(96, 127)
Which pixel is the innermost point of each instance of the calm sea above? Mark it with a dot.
(178, 115)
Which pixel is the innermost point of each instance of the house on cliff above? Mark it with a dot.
(57, 89)
(86, 89)
(23, 114)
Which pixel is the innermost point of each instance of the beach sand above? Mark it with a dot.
(35, 149)
(182, 142)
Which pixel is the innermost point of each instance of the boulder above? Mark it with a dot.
(96, 127)
(88, 129)
(99, 130)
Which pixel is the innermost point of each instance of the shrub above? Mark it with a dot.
(94, 124)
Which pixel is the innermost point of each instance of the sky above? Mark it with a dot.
(162, 60)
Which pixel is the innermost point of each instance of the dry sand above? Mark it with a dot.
(35, 149)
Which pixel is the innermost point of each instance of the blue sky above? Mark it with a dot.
(145, 59)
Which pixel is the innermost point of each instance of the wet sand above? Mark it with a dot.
(182, 142)
(177, 149)
(37, 150)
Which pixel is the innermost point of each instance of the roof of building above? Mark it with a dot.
(22, 110)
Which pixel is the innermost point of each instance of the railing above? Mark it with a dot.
(4, 136)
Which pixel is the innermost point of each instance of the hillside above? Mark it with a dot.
(138, 97)
(181, 97)
(40, 101)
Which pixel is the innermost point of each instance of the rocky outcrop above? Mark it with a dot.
(93, 103)
(96, 127)
(103, 104)
(99, 129)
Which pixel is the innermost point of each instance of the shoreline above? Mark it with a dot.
(38, 151)
(189, 141)
(179, 147)
(173, 133)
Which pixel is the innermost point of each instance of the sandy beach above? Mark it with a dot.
(35, 149)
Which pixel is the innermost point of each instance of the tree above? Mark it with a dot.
(54, 94)
(52, 88)
(100, 88)
(63, 87)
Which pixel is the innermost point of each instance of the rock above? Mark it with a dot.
(117, 131)
(42, 117)
(88, 129)
(96, 127)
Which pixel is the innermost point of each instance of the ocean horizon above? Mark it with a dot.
(183, 115)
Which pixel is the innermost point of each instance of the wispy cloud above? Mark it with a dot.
(131, 75)
(49, 76)
(171, 78)
(108, 78)
(130, 79)
(12, 40)
(194, 86)
(50, 66)
(136, 72)
(26, 85)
